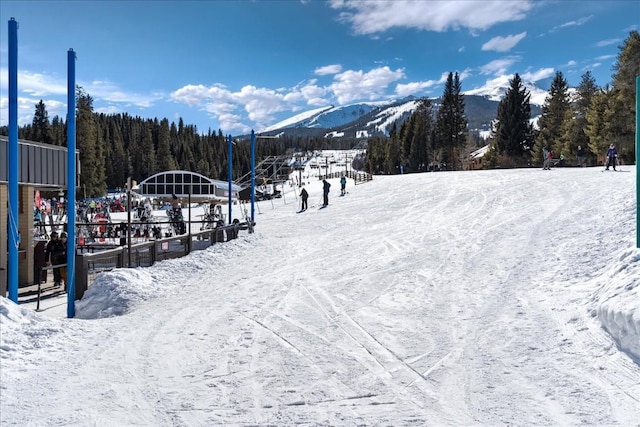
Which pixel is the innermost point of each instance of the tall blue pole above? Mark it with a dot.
(230, 171)
(71, 183)
(253, 177)
(14, 236)
(638, 162)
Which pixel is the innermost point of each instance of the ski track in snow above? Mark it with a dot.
(460, 299)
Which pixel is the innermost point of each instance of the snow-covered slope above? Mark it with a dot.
(486, 298)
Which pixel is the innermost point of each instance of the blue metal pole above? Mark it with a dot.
(71, 183)
(638, 162)
(253, 176)
(14, 237)
(230, 172)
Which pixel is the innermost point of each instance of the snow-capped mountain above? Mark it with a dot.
(366, 119)
(499, 86)
(328, 117)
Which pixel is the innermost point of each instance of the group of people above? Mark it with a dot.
(326, 186)
(54, 254)
(610, 161)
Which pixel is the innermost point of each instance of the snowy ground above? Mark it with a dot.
(455, 298)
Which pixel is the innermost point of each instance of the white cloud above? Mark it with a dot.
(111, 92)
(109, 109)
(608, 42)
(328, 69)
(464, 74)
(592, 66)
(577, 23)
(262, 104)
(351, 85)
(499, 66)
(414, 88)
(540, 74)
(36, 84)
(503, 44)
(195, 95)
(314, 95)
(309, 93)
(374, 16)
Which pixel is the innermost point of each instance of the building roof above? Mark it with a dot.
(181, 183)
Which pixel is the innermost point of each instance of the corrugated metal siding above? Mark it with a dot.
(40, 164)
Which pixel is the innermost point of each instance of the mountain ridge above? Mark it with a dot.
(366, 119)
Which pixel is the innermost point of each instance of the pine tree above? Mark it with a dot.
(512, 136)
(393, 152)
(142, 155)
(41, 129)
(623, 97)
(375, 155)
(573, 132)
(406, 140)
(554, 113)
(116, 157)
(92, 177)
(165, 159)
(598, 123)
(58, 131)
(423, 135)
(451, 122)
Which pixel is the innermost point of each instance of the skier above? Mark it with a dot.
(304, 196)
(325, 192)
(580, 156)
(343, 184)
(612, 156)
(546, 162)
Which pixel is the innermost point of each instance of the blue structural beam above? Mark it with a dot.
(253, 177)
(230, 172)
(14, 237)
(71, 183)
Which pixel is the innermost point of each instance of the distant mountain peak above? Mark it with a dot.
(295, 120)
(366, 119)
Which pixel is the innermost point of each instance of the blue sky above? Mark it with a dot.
(242, 65)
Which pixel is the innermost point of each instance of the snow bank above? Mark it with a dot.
(616, 302)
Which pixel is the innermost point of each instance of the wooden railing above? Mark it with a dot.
(89, 265)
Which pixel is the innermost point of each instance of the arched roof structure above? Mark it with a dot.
(181, 183)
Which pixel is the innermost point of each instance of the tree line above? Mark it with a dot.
(591, 117)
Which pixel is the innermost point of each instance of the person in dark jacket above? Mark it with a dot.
(612, 157)
(49, 250)
(325, 192)
(39, 262)
(304, 195)
(343, 185)
(56, 255)
(580, 156)
(61, 257)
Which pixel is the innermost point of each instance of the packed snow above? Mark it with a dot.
(502, 297)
